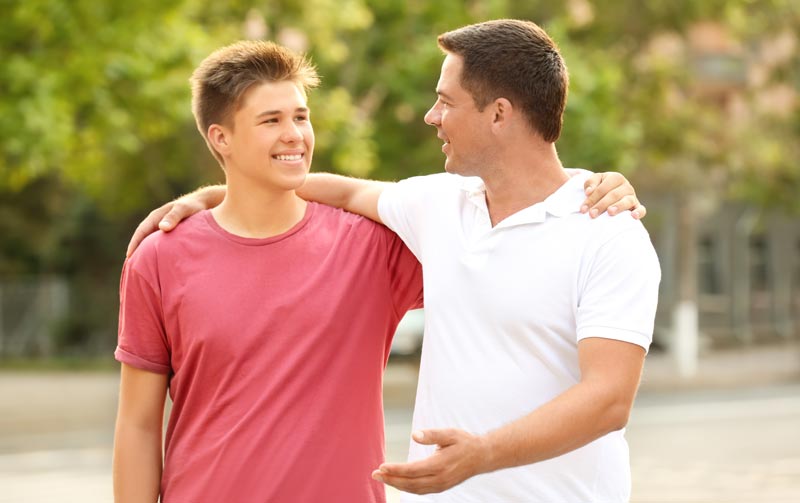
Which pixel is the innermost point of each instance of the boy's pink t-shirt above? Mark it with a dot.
(275, 350)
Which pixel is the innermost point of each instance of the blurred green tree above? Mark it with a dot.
(96, 128)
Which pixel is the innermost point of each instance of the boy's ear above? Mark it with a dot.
(217, 137)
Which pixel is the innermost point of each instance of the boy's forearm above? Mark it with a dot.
(351, 194)
(137, 464)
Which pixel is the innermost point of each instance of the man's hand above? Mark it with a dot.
(168, 216)
(459, 456)
(611, 192)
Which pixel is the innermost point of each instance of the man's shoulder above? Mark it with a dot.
(439, 180)
(620, 224)
(434, 189)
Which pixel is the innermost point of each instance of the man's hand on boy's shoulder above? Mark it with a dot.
(611, 192)
(169, 215)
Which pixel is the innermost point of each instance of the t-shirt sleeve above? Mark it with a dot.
(401, 207)
(141, 339)
(405, 272)
(620, 292)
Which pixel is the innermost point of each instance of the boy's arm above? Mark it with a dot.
(137, 439)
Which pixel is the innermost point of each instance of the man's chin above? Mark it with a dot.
(455, 169)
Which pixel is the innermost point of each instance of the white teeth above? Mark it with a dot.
(294, 157)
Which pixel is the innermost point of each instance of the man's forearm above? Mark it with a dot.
(599, 404)
(581, 415)
(352, 194)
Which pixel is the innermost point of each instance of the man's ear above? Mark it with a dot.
(218, 138)
(503, 112)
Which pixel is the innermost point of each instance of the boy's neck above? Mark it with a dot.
(253, 212)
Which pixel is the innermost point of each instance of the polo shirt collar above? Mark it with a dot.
(564, 201)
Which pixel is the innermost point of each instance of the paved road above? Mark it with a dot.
(729, 446)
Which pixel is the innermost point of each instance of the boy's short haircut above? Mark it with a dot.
(223, 78)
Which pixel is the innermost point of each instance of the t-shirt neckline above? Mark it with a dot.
(209, 218)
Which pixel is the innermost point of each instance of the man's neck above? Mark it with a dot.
(253, 212)
(523, 178)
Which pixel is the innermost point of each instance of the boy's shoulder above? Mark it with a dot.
(160, 242)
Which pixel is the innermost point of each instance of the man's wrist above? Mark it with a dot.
(489, 454)
(211, 196)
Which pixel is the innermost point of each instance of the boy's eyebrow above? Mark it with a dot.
(278, 112)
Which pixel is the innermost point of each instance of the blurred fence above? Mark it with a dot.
(30, 311)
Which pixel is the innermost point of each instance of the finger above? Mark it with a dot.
(609, 182)
(416, 485)
(592, 182)
(170, 220)
(421, 468)
(180, 210)
(441, 437)
(146, 227)
(610, 199)
(628, 202)
(639, 212)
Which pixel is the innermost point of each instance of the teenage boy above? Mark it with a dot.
(267, 319)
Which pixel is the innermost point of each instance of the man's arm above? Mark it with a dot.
(352, 194)
(137, 439)
(355, 195)
(604, 191)
(598, 404)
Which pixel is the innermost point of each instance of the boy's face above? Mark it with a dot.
(272, 141)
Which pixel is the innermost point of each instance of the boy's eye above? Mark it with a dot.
(301, 118)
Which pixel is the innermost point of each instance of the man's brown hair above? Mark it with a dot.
(222, 79)
(516, 60)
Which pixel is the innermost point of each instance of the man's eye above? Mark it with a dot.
(301, 118)
(269, 121)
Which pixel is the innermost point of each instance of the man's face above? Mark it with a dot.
(272, 141)
(464, 129)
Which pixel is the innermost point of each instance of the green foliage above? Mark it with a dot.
(96, 127)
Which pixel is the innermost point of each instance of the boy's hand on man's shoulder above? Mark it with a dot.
(611, 192)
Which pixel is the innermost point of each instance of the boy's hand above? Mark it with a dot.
(169, 215)
(611, 192)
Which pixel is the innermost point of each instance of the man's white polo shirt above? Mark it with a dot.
(505, 308)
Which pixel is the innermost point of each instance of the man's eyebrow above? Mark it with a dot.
(444, 95)
(278, 112)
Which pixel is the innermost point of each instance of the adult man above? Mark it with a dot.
(537, 320)
(269, 319)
